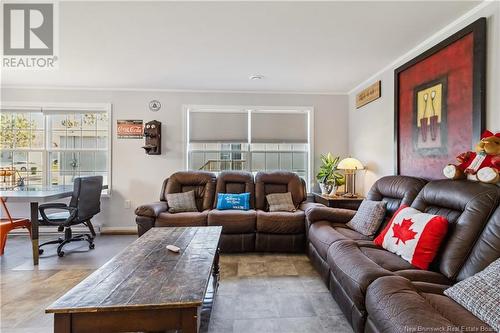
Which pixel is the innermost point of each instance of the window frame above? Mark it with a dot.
(64, 108)
(249, 109)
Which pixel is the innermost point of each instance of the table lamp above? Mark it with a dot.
(350, 165)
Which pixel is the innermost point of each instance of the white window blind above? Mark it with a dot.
(249, 138)
(279, 127)
(218, 127)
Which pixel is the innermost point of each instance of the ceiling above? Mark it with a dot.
(325, 47)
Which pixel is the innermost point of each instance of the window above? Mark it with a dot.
(51, 145)
(253, 139)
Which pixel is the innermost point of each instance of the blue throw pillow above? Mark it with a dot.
(233, 201)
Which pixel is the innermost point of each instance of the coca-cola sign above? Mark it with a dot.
(129, 129)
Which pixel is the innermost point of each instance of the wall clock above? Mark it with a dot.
(155, 105)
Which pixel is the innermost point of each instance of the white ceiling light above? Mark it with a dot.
(256, 77)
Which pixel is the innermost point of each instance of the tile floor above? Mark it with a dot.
(273, 293)
(257, 292)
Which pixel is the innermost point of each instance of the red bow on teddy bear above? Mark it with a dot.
(482, 165)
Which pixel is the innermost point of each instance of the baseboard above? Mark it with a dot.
(49, 230)
(119, 230)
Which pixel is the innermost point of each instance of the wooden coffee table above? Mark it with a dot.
(145, 287)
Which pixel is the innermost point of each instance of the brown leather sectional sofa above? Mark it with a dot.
(254, 230)
(380, 292)
(376, 289)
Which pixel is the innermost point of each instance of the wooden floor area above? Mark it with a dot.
(257, 292)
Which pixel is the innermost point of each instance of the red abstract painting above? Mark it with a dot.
(440, 103)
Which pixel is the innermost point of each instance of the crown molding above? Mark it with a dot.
(205, 91)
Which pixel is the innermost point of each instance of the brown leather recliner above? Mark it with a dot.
(327, 225)
(280, 231)
(238, 226)
(157, 215)
(356, 264)
(426, 307)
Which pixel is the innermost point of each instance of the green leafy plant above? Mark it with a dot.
(15, 130)
(328, 172)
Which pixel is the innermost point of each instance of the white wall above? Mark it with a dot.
(137, 176)
(371, 128)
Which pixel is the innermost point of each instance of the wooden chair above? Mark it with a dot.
(9, 223)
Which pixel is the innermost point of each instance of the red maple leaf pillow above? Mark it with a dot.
(413, 235)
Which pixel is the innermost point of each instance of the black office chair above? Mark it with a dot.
(85, 203)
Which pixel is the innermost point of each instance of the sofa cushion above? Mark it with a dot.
(395, 305)
(354, 270)
(395, 191)
(278, 182)
(201, 182)
(368, 218)
(187, 219)
(349, 233)
(480, 294)
(355, 265)
(236, 182)
(486, 249)
(467, 206)
(413, 235)
(385, 259)
(323, 233)
(181, 202)
(233, 221)
(281, 222)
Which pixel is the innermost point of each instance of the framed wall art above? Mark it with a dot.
(440, 103)
(129, 129)
(369, 94)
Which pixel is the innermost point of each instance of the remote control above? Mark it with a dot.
(173, 248)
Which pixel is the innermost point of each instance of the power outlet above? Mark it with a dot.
(127, 204)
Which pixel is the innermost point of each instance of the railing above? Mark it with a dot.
(221, 165)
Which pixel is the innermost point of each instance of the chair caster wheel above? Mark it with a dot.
(91, 246)
(40, 251)
(60, 254)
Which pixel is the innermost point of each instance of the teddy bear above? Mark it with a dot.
(482, 165)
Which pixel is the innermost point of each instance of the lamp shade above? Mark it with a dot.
(350, 164)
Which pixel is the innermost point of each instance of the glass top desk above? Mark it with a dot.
(36, 195)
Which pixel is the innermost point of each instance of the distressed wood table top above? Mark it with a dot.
(148, 276)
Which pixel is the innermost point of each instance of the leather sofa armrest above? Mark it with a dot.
(306, 205)
(152, 210)
(338, 215)
(144, 223)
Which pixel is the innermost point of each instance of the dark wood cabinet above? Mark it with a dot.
(338, 201)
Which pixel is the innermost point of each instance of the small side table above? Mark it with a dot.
(338, 201)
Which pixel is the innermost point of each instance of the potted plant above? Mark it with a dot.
(329, 178)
